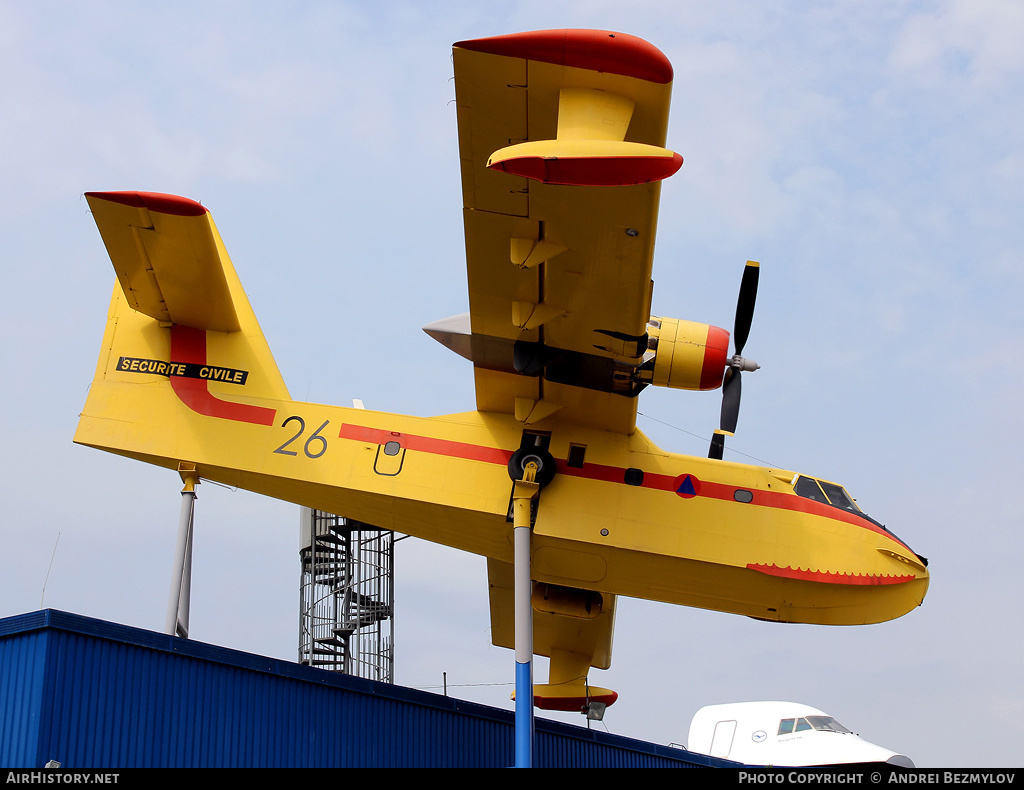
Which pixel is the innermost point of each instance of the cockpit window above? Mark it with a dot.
(822, 723)
(826, 723)
(838, 497)
(808, 488)
(829, 493)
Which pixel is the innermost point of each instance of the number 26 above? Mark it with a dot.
(314, 442)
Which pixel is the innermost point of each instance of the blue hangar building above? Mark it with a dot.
(93, 694)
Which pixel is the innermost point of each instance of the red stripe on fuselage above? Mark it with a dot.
(426, 444)
(614, 474)
(189, 345)
(772, 499)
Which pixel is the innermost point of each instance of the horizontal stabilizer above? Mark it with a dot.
(168, 257)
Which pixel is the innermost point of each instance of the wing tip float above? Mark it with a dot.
(587, 163)
(589, 148)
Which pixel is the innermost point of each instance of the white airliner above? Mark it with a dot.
(782, 734)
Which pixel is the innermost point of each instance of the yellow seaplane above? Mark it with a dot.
(561, 141)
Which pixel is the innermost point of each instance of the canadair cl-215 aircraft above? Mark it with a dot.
(561, 140)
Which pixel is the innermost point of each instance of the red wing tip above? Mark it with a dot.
(597, 50)
(154, 201)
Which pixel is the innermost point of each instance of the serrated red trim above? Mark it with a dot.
(863, 579)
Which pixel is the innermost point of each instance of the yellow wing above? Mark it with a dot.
(561, 137)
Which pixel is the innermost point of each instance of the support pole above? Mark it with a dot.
(176, 622)
(523, 494)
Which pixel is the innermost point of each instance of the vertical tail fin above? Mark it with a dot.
(181, 338)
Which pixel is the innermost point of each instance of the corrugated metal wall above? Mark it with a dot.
(92, 694)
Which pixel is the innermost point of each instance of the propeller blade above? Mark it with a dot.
(717, 445)
(732, 383)
(731, 389)
(745, 304)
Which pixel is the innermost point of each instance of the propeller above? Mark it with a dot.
(732, 384)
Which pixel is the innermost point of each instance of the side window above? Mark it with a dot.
(786, 726)
(802, 724)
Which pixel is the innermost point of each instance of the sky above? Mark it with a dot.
(870, 155)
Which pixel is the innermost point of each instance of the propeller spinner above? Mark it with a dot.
(731, 385)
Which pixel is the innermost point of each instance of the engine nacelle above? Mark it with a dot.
(687, 355)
